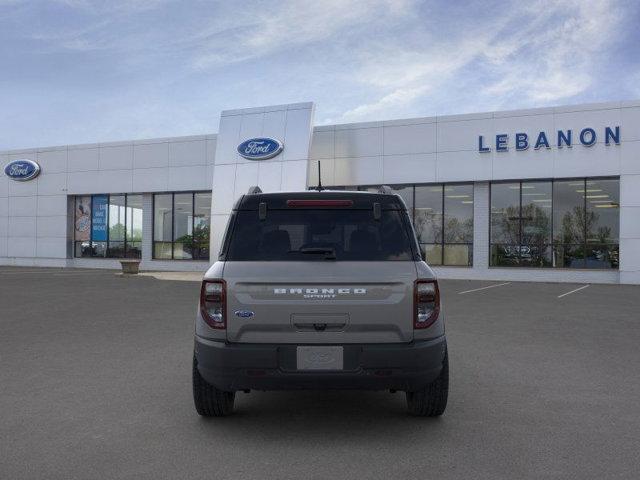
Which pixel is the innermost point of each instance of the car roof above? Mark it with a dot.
(360, 199)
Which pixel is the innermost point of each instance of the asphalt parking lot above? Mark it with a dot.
(95, 382)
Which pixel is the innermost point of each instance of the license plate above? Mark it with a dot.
(320, 358)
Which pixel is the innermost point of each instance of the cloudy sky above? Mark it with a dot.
(80, 71)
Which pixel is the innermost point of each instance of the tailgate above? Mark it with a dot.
(320, 302)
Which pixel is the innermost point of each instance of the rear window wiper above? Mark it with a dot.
(329, 253)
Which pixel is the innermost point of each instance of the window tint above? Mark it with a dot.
(319, 234)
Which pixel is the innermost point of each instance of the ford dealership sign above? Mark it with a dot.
(260, 148)
(22, 170)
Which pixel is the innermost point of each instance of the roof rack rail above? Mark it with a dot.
(385, 189)
(253, 190)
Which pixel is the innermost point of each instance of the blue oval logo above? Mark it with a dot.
(22, 170)
(243, 313)
(260, 148)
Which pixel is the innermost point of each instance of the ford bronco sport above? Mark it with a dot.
(320, 290)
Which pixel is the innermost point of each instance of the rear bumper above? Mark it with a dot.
(232, 367)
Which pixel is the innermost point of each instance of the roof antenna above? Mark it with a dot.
(319, 187)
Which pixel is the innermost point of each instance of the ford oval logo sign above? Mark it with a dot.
(243, 313)
(260, 148)
(22, 170)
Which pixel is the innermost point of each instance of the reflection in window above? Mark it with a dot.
(181, 225)
(108, 226)
(566, 224)
(443, 220)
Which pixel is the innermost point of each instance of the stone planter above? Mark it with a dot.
(130, 266)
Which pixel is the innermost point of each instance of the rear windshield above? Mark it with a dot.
(288, 235)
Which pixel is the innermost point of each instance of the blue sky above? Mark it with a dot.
(77, 71)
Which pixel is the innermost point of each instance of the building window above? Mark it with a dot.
(108, 226)
(565, 224)
(181, 224)
(442, 216)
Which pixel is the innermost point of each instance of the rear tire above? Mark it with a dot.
(209, 401)
(431, 401)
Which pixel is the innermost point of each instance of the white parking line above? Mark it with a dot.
(484, 288)
(573, 291)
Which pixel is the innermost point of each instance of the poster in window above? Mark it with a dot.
(99, 220)
(83, 219)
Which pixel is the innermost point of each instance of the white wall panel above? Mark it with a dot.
(327, 170)
(630, 192)
(294, 176)
(246, 177)
(115, 181)
(52, 226)
(406, 168)
(630, 157)
(322, 145)
(21, 246)
(53, 161)
(358, 142)
(188, 178)
(211, 150)
(522, 164)
(463, 135)
(358, 171)
(223, 188)
(83, 159)
(274, 125)
(150, 180)
(22, 206)
(151, 155)
(52, 183)
(630, 124)
(118, 157)
(579, 161)
(22, 227)
(228, 140)
(297, 136)
(22, 189)
(463, 166)
(188, 153)
(51, 205)
(270, 176)
(84, 182)
(4, 206)
(51, 247)
(420, 138)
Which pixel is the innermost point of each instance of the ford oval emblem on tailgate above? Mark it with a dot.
(243, 313)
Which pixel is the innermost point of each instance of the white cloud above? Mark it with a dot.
(288, 24)
(544, 52)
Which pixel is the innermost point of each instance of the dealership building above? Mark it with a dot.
(547, 194)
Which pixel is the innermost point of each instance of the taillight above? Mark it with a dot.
(213, 303)
(426, 303)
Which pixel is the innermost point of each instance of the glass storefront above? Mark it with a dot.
(442, 216)
(108, 226)
(181, 225)
(561, 223)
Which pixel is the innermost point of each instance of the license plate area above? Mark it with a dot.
(319, 358)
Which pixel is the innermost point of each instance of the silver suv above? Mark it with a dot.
(320, 290)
